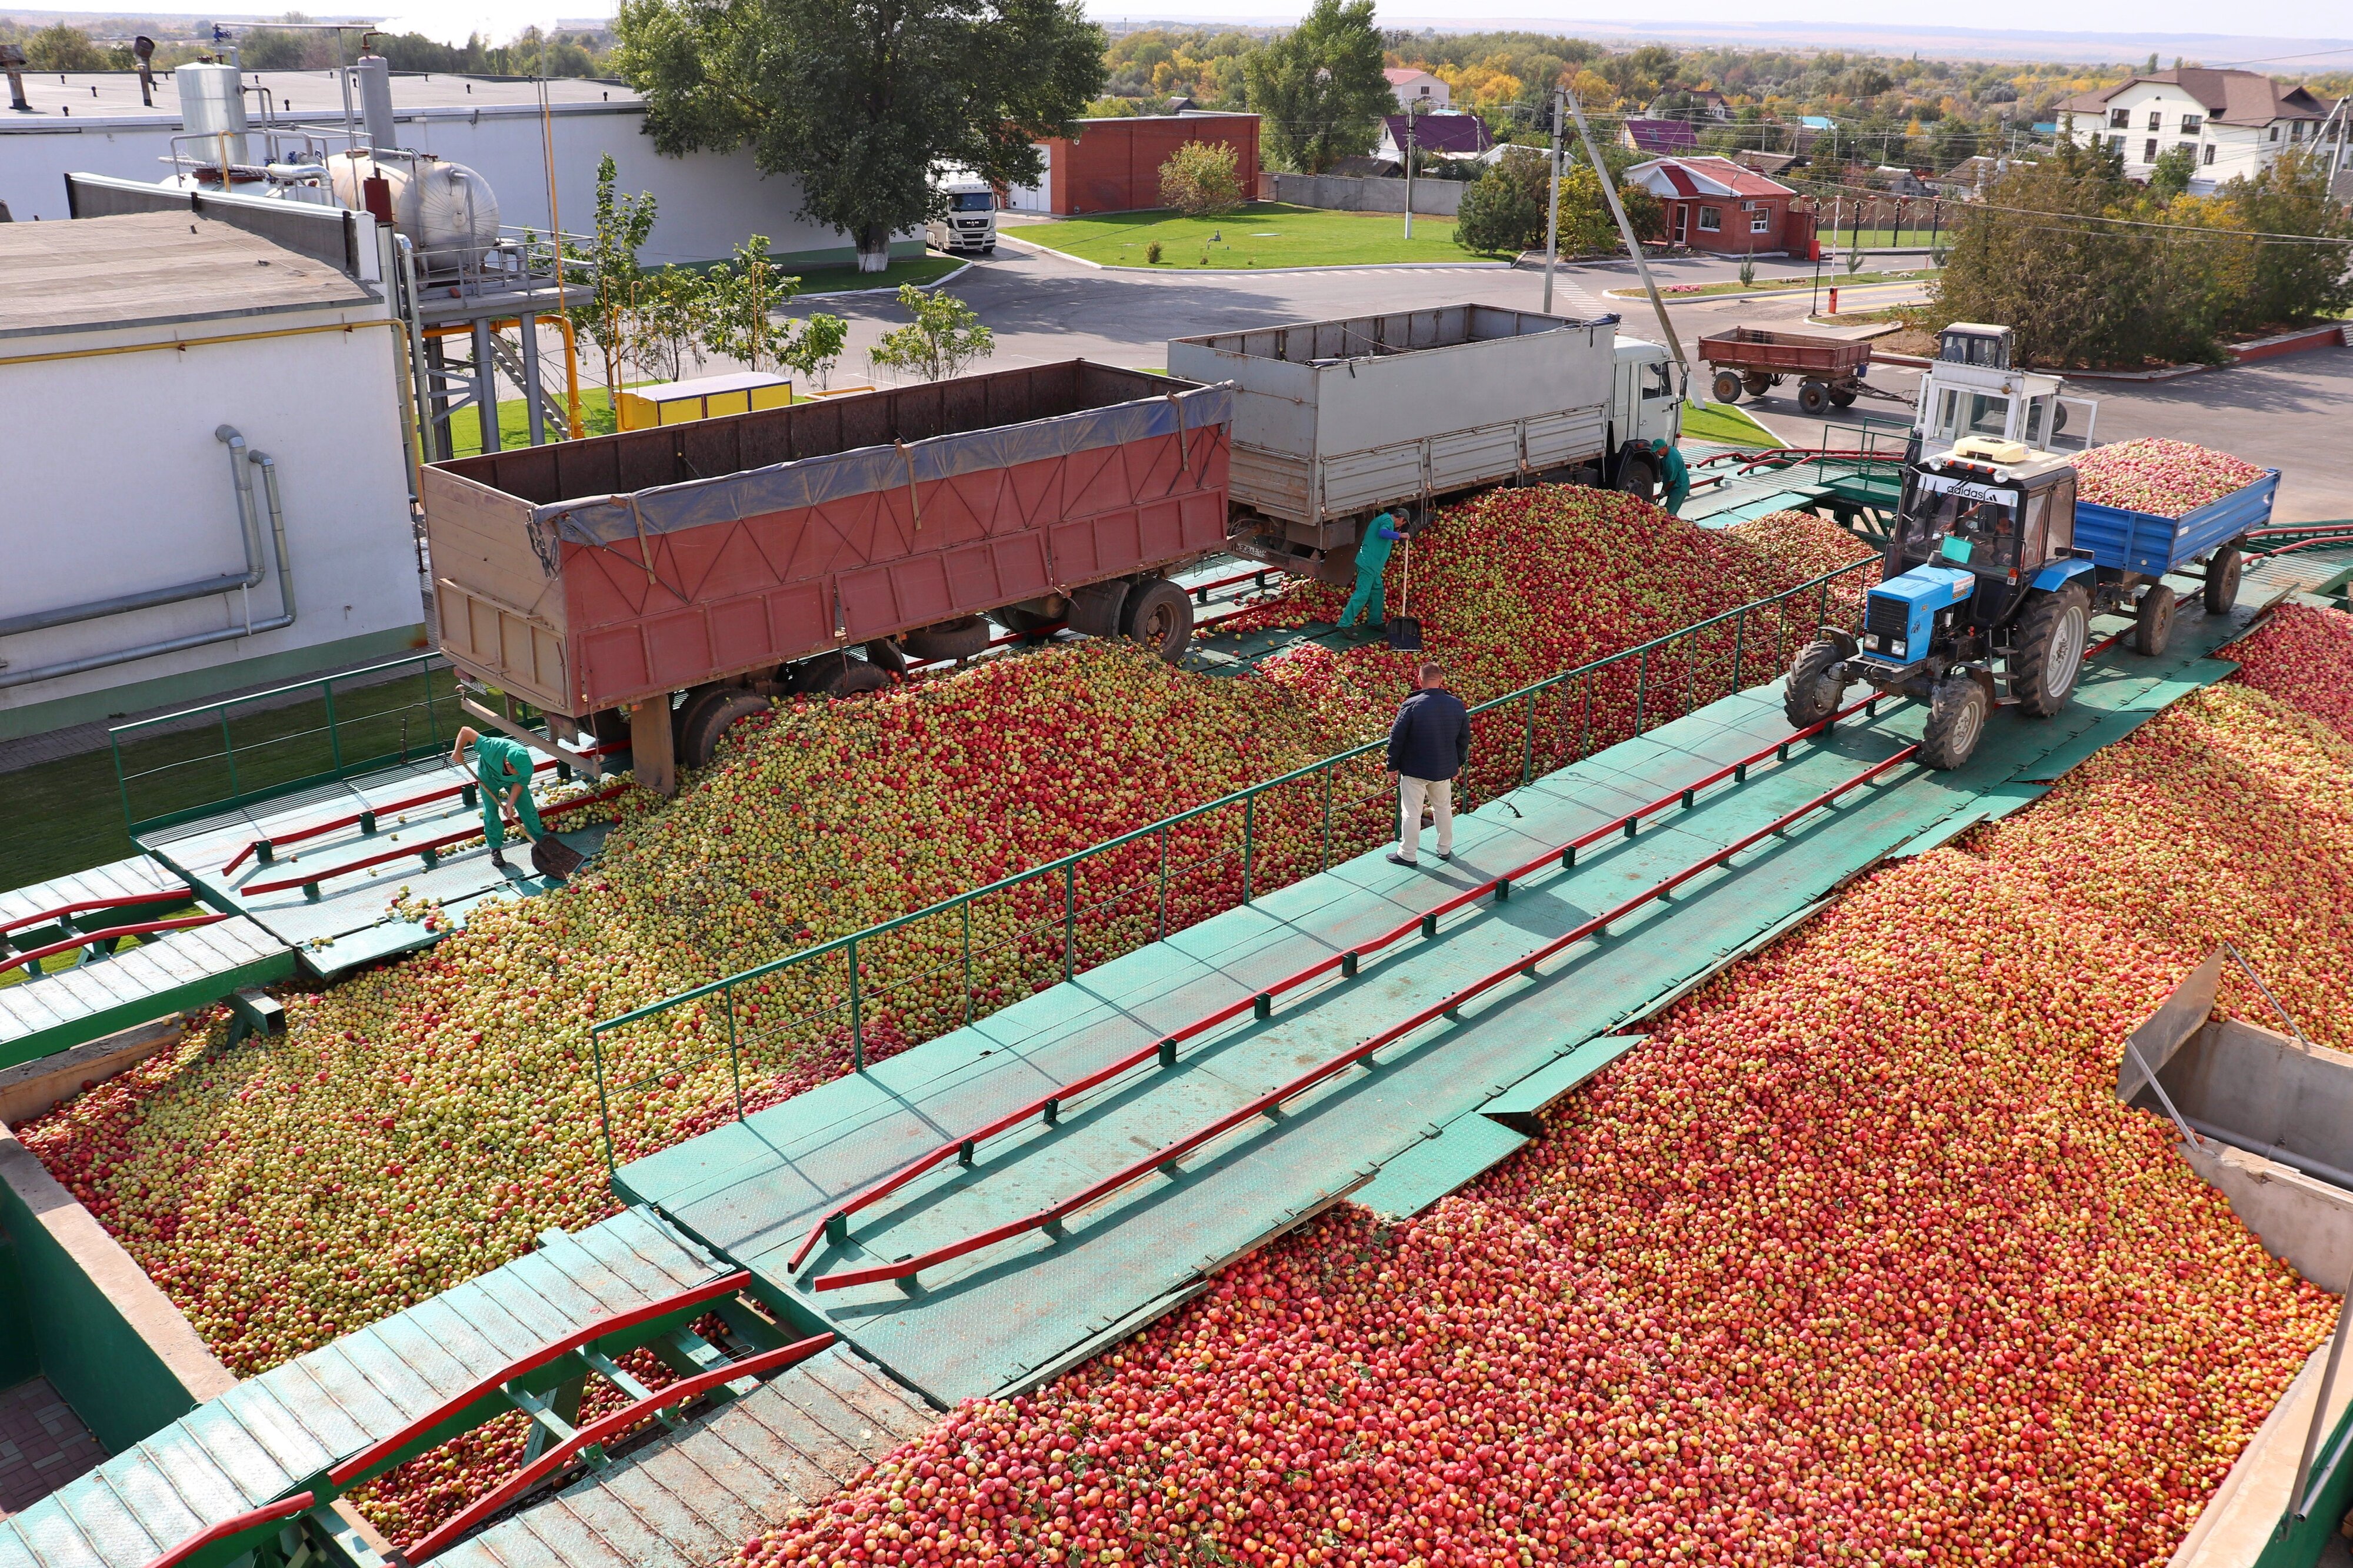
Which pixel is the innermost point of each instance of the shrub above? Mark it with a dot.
(1152, 254)
(1201, 178)
(1503, 211)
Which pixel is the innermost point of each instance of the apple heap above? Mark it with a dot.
(1857, 1260)
(2304, 655)
(2158, 476)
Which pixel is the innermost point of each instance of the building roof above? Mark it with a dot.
(1762, 161)
(1400, 75)
(1685, 178)
(1443, 134)
(2229, 97)
(142, 268)
(311, 96)
(1661, 135)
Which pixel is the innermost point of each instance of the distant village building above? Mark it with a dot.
(1683, 103)
(1414, 87)
(1454, 135)
(2231, 122)
(1716, 204)
(1767, 163)
(1659, 136)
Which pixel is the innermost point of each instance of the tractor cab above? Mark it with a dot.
(1974, 388)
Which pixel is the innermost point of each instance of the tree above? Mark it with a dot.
(668, 322)
(1320, 87)
(1201, 178)
(2291, 280)
(2170, 175)
(742, 296)
(1502, 213)
(857, 100)
(622, 225)
(944, 337)
(63, 48)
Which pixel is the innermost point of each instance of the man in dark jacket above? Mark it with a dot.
(1427, 746)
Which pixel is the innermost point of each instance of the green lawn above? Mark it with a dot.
(1263, 234)
(1725, 426)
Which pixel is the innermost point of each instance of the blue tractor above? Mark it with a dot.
(1992, 561)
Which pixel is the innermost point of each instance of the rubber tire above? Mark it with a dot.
(610, 726)
(2058, 419)
(959, 638)
(711, 716)
(1813, 398)
(1956, 719)
(1841, 398)
(2152, 631)
(2033, 649)
(1759, 385)
(839, 674)
(1807, 696)
(1637, 477)
(2222, 579)
(1027, 623)
(1727, 386)
(1159, 614)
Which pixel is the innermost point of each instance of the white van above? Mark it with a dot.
(969, 224)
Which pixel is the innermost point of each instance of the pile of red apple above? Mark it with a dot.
(2302, 655)
(2161, 476)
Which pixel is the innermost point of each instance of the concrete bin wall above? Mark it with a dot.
(1341, 193)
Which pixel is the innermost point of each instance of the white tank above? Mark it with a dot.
(212, 105)
(448, 211)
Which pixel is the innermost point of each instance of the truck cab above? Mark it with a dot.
(1973, 388)
(965, 222)
(1645, 405)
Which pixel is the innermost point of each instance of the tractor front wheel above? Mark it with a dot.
(1812, 694)
(1956, 719)
(2046, 653)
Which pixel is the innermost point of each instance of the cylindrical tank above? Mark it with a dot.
(212, 105)
(448, 211)
(374, 75)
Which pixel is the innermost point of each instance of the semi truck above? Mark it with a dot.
(966, 220)
(1994, 561)
(1335, 422)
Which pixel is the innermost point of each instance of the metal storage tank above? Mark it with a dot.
(211, 104)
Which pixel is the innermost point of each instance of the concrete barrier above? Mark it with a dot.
(1341, 193)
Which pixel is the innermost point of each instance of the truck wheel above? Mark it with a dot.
(709, 716)
(1758, 385)
(1027, 623)
(2222, 579)
(1813, 398)
(2152, 630)
(838, 675)
(960, 638)
(1957, 716)
(885, 654)
(1636, 477)
(1159, 614)
(1095, 608)
(2047, 652)
(1727, 386)
(1811, 695)
(1842, 398)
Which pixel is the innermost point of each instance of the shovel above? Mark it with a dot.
(1405, 632)
(551, 857)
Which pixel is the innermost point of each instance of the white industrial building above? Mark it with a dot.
(209, 489)
(2231, 122)
(706, 204)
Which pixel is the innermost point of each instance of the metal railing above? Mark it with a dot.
(221, 755)
(785, 1024)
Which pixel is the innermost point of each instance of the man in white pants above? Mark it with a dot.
(1427, 746)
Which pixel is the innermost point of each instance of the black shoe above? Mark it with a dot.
(499, 859)
(1398, 859)
(1446, 855)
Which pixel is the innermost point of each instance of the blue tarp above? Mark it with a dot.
(812, 481)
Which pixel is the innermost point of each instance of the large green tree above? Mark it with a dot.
(859, 99)
(1319, 87)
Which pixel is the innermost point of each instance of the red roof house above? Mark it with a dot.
(1716, 204)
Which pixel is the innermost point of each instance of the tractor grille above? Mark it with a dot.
(1885, 615)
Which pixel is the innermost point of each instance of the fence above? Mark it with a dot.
(1345, 193)
(790, 1023)
(221, 755)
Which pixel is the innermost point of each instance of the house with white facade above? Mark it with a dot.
(2232, 123)
(1416, 87)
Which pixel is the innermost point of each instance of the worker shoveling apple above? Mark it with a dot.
(504, 769)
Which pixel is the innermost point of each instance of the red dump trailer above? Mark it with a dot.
(654, 586)
(1754, 360)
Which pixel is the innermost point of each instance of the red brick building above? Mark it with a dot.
(1113, 164)
(1714, 204)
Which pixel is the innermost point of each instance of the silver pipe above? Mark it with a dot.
(285, 616)
(419, 378)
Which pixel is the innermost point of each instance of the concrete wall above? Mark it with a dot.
(1437, 198)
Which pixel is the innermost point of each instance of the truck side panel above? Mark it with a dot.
(500, 608)
(2125, 540)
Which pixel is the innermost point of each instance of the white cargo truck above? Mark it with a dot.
(966, 223)
(1337, 421)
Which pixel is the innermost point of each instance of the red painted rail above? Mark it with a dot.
(236, 1524)
(185, 922)
(1164, 1049)
(474, 1513)
(309, 877)
(1272, 1102)
(60, 911)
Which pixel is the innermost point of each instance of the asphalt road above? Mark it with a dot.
(2288, 414)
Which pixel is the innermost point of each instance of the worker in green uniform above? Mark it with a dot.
(1674, 474)
(1372, 561)
(504, 767)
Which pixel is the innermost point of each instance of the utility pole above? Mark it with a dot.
(1408, 171)
(1551, 204)
(1691, 389)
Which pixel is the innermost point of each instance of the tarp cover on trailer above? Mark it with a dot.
(812, 481)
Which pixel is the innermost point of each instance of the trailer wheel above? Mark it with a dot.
(1842, 397)
(960, 638)
(2047, 652)
(711, 715)
(1727, 386)
(2222, 579)
(1758, 385)
(2152, 630)
(838, 675)
(1024, 623)
(1636, 477)
(1811, 694)
(1957, 716)
(1813, 398)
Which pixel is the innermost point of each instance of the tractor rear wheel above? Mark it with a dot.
(1159, 614)
(2046, 654)
(711, 715)
(1957, 718)
(1813, 398)
(2153, 622)
(2222, 579)
(1727, 386)
(1811, 694)
(959, 638)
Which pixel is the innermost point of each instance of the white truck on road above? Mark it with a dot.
(967, 222)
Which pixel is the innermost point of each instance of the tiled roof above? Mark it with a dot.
(1704, 176)
(1442, 132)
(1661, 135)
(2229, 97)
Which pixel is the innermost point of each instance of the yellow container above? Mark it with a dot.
(705, 397)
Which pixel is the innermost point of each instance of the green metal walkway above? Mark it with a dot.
(1440, 1105)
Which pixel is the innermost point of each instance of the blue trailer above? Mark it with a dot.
(1993, 561)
